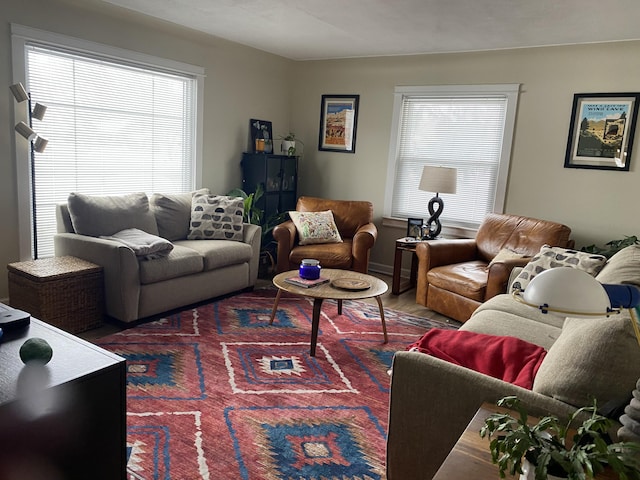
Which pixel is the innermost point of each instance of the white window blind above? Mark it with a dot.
(460, 129)
(113, 127)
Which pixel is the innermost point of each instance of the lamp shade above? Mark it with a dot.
(19, 92)
(438, 179)
(567, 291)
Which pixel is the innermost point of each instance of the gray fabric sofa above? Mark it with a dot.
(432, 401)
(135, 287)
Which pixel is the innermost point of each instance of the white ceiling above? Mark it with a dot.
(322, 29)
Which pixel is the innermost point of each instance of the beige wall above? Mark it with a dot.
(241, 83)
(598, 205)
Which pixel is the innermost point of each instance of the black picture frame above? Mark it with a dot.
(261, 136)
(338, 123)
(602, 131)
(414, 227)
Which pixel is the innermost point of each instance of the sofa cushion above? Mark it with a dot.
(173, 213)
(180, 262)
(596, 357)
(507, 358)
(551, 257)
(315, 227)
(623, 267)
(468, 279)
(216, 217)
(219, 253)
(105, 215)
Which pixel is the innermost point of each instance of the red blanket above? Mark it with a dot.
(508, 358)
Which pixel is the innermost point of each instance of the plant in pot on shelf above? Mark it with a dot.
(289, 142)
(551, 449)
(255, 215)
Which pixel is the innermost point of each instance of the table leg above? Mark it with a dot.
(384, 324)
(414, 269)
(339, 307)
(397, 267)
(275, 307)
(315, 322)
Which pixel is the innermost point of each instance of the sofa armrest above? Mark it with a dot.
(252, 235)
(120, 269)
(432, 402)
(285, 235)
(363, 241)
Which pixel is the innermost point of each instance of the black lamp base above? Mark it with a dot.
(433, 227)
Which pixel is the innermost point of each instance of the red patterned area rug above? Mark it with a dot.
(215, 392)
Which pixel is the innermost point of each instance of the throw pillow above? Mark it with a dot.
(315, 227)
(507, 254)
(551, 257)
(173, 213)
(216, 217)
(594, 357)
(508, 358)
(106, 215)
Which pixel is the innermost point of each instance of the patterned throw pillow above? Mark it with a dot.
(315, 227)
(216, 217)
(551, 257)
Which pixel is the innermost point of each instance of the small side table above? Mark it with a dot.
(64, 291)
(402, 245)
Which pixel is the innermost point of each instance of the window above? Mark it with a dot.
(466, 127)
(115, 125)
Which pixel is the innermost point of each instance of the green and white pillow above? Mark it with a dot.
(216, 217)
(551, 257)
(315, 227)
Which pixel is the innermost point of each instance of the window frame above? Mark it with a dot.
(21, 36)
(511, 93)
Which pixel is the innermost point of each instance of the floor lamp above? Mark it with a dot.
(36, 142)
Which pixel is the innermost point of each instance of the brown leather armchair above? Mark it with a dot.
(354, 220)
(455, 275)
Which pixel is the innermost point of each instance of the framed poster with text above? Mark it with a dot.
(602, 129)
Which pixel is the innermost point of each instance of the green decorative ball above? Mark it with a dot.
(36, 350)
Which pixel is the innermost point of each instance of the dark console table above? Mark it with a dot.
(64, 420)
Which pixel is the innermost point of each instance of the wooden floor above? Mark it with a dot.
(405, 302)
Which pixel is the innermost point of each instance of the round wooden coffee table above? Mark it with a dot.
(329, 290)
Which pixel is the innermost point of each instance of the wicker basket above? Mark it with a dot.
(64, 291)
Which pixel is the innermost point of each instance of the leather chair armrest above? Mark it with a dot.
(363, 241)
(285, 235)
(498, 277)
(440, 252)
(446, 251)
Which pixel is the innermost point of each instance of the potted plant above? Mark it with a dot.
(255, 215)
(554, 448)
(289, 142)
(612, 247)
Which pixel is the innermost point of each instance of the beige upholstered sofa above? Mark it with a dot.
(432, 401)
(136, 287)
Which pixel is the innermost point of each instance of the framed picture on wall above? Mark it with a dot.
(414, 227)
(338, 123)
(261, 136)
(601, 131)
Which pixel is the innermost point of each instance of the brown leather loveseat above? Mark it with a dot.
(354, 221)
(455, 276)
